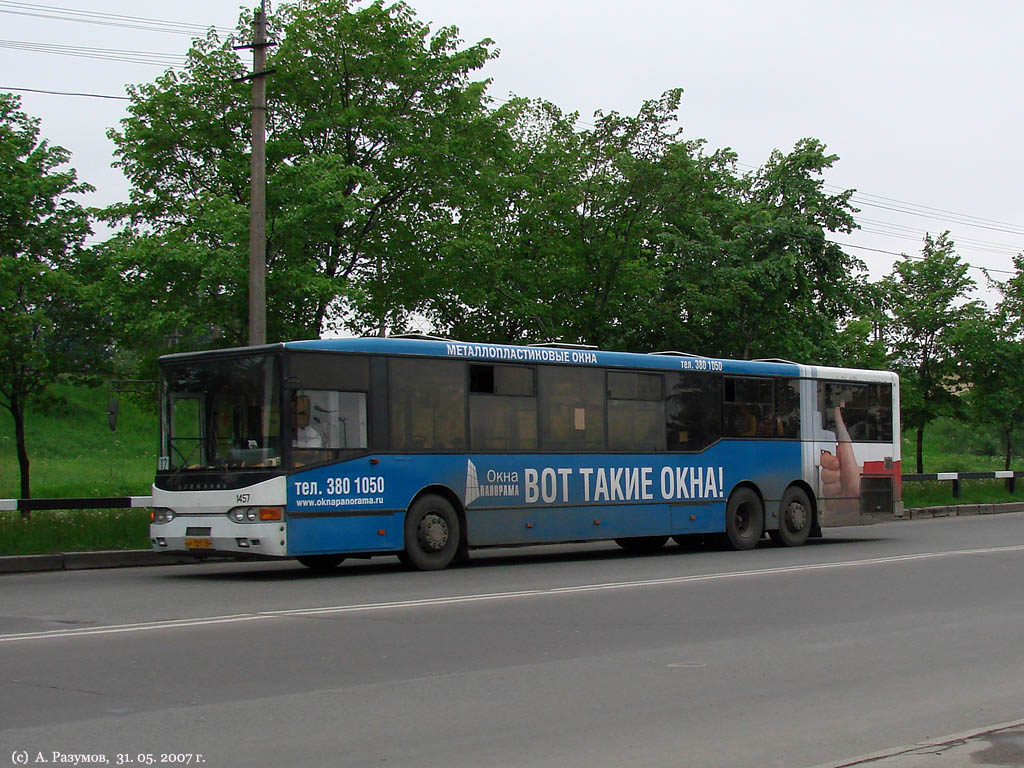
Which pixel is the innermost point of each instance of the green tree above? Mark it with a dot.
(46, 326)
(749, 269)
(372, 120)
(928, 301)
(562, 245)
(990, 351)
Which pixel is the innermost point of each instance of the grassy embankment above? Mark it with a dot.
(74, 453)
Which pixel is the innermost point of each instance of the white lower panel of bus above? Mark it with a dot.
(202, 523)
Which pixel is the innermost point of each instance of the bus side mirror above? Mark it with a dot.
(301, 411)
(112, 408)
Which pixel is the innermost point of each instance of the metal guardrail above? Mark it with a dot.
(956, 477)
(28, 506)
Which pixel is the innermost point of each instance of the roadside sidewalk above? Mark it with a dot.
(998, 745)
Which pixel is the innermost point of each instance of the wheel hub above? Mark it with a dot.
(433, 532)
(796, 517)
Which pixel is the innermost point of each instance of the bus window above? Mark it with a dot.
(748, 407)
(345, 373)
(333, 420)
(693, 410)
(224, 413)
(636, 412)
(502, 408)
(572, 408)
(787, 408)
(866, 409)
(880, 410)
(427, 402)
(186, 431)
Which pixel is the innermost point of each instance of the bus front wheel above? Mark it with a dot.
(432, 534)
(744, 519)
(795, 519)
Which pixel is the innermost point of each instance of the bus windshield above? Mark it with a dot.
(221, 413)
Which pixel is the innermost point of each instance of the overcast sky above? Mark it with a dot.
(920, 99)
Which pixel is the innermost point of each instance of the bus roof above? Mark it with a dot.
(561, 354)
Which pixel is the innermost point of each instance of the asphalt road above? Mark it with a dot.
(872, 638)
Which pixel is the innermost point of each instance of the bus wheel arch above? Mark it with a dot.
(744, 517)
(434, 530)
(798, 516)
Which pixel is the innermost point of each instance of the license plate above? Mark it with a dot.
(199, 543)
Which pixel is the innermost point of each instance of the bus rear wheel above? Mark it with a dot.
(321, 563)
(643, 545)
(795, 519)
(744, 519)
(432, 534)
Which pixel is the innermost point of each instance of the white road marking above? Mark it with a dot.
(150, 626)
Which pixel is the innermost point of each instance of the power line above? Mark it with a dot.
(57, 13)
(964, 221)
(923, 209)
(105, 54)
(916, 257)
(916, 209)
(65, 93)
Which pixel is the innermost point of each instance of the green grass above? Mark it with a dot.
(74, 453)
(940, 493)
(80, 530)
(950, 446)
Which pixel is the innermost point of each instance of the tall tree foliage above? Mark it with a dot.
(46, 327)
(626, 235)
(928, 302)
(766, 281)
(560, 243)
(371, 118)
(990, 351)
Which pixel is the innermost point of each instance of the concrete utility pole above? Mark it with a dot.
(258, 182)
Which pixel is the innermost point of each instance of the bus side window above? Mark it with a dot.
(749, 409)
(331, 419)
(427, 400)
(636, 411)
(571, 408)
(866, 409)
(787, 408)
(880, 410)
(502, 408)
(693, 410)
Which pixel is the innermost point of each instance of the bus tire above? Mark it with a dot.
(321, 563)
(643, 545)
(744, 519)
(432, 534)
(796, 516)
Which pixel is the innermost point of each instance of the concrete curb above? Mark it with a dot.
(127, 558)
(964, 510)
(79, 561)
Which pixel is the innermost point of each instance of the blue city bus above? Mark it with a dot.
(427, 448)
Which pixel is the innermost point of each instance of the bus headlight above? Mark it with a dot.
(256, 514)
(161, 515)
